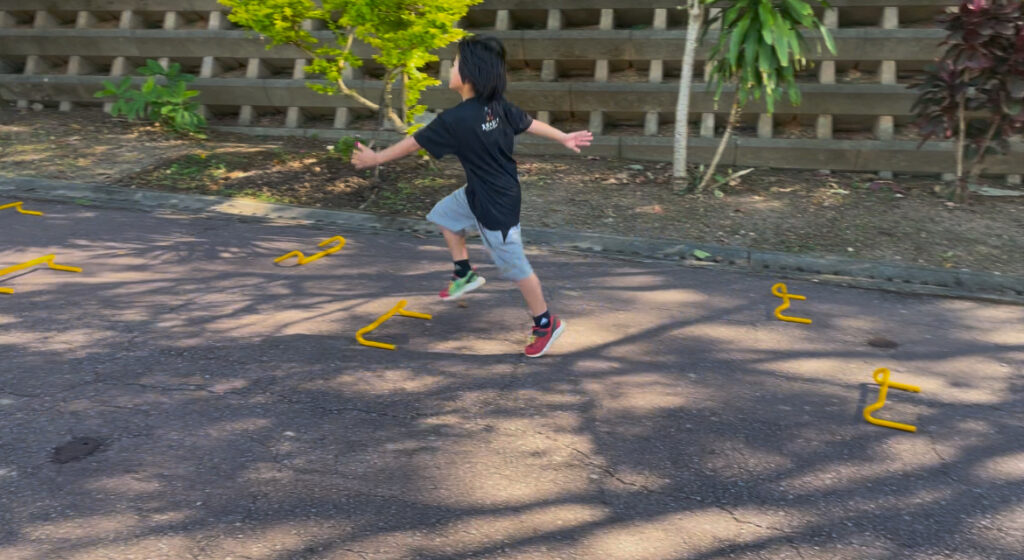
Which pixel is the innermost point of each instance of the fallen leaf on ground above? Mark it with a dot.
(654, 209)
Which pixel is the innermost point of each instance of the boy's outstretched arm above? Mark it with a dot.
(364, 156)
(573, 140)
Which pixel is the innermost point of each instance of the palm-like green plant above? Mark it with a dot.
(760, 49)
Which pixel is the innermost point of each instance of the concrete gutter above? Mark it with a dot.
(862, 274)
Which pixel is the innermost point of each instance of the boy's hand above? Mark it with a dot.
(363, 157)
(576, 140)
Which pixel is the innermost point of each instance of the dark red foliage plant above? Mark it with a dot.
(975, 90)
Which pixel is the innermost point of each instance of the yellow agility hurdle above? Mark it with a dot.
(47, 260)
(881, 376)
(779, 290)
(303, 259)
(380, 320)
(17, 206)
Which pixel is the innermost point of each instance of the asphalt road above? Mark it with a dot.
(237, 417)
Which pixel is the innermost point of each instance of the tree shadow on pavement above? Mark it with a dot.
(239, 418)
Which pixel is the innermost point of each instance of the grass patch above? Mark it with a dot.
(396, 198)
(259, 195)
(197, 171)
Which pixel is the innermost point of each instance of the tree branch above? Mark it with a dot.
(736, 175)
(734, 116)
(342, 87)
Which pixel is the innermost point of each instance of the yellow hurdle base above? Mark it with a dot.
(397, 309)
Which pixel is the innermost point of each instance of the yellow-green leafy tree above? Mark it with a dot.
(404, 33)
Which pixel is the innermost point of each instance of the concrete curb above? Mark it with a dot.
(861, 274)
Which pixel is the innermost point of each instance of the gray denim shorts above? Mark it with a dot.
(453, 213)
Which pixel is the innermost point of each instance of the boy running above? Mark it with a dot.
(480, 131)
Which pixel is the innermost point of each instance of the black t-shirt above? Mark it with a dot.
(482, 137)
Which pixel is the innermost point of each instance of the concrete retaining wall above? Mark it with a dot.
(609, 65)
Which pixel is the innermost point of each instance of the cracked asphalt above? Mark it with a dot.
(675, 419)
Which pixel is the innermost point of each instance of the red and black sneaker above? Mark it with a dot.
(542, 338)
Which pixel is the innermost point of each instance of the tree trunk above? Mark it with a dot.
(404, 115)
(340, 62)
(680, 158)
(388, 114)
(384, 113)
(385, 99)
(961, 142)
(978, 164)
(962, 133)
(734, 117)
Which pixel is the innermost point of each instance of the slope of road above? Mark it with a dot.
(237, 417)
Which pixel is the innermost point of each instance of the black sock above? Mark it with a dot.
(542, 320)
(462, 268)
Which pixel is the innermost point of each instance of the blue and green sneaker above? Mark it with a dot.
(459, 287)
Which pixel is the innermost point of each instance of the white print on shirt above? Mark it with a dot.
(492, 121)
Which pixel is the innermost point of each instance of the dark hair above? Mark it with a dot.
(482, 65)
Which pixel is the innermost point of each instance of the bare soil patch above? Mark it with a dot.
(906, 220)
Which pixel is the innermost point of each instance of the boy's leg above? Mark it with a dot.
(456, 244)
(546, 327)
(453, 215)
(465, 279)
(533, 294)
(509, 256)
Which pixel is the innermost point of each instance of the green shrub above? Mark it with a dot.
(345, 146)
(163, 98)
